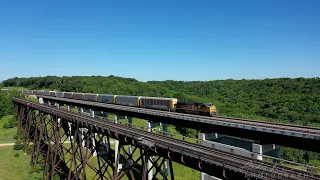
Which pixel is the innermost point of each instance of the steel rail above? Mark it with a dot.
(278, 128)
(208, 155)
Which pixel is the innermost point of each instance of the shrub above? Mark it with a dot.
(10, 123)
(16, 155)
(29, 149)
(5, 125)
(18, 135)
(56, 177)
(35, 170)
(18, 145)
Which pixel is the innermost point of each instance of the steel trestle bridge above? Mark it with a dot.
(47, 130)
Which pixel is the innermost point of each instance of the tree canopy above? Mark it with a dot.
(284, 99)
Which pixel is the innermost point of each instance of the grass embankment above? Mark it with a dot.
(12, 167)
(16, 168)
(6, 135)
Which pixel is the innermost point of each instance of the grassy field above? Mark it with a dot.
(16, 168)
(6, 135)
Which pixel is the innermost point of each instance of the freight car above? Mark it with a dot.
(34, 92)
(46, 93)
(128, 100)
(206, 109)
(40, 92)
(68, 95)
(52, 93)
(107, 98)
(78, 96)
(59, 94)
(90, 97)
(166, 104)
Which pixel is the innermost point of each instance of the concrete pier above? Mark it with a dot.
(165, 164)
(149, 165)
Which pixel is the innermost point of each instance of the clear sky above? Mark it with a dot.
(160, 39)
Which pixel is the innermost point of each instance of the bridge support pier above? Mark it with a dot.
(92, 113)
(130, 148)
(261, 149)
(93, 138)
(105, 114)
(277, 153)
(116, 148)
(257, 148)
(69, 123)
(149, 163)
(204, 176)
(41, 101)
(165, 164)
(59, 119)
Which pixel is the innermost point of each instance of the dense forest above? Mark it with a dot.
(6, 107)
(284, 99)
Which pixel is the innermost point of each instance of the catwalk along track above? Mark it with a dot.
(211, 161)
(301, 137)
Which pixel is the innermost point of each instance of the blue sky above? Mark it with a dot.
(160, 39)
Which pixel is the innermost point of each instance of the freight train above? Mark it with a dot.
(159, 103)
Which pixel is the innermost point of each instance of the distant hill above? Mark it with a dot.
(285, 99)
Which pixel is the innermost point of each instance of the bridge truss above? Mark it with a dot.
(69, 153)
(75, 146)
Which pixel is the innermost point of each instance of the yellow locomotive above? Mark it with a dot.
(206, 109)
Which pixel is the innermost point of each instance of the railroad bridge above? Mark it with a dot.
(72, 145)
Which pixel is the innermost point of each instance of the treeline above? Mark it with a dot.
(284, 99)
(296, 100)
(6, 108)
(6, 105)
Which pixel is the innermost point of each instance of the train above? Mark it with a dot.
(6, 90)
(158, 103)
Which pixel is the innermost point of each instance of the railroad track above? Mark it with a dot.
(255, 168)
(219, 120)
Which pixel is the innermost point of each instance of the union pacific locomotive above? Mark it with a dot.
(159, 103)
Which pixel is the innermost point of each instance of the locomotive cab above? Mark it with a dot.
(206, 109)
